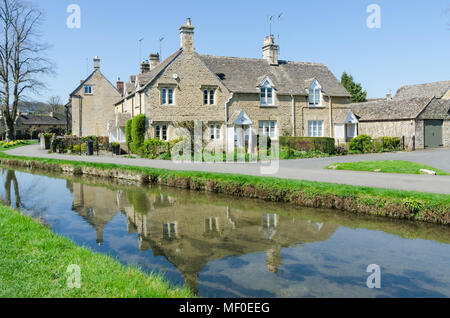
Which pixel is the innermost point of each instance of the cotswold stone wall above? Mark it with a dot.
(91, 113)
(446, 133)
(406, 128)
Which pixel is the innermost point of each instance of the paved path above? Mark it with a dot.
(304, 169)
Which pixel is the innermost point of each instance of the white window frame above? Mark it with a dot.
(215, 131)
(89, 87)
(165, 93)
(209, 97)
(159, 132)
(315, 128)
(266, 88)
(268, 128)
(315, 94)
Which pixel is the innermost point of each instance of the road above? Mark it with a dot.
(303, 169)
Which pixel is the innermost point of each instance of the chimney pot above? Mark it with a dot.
(154, 60)
(96, 63)
(270, 50)
(120, 86)
(145, 67)
(187, 36)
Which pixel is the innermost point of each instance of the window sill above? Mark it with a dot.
(268, 106)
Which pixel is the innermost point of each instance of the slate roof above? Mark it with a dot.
(438, 109)
(41, 120)
(243, 75)
(392, 109)
(146, 78)
(436, 89)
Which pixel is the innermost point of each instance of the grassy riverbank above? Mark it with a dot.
(386, 166)
(34, 263)
(429, 207)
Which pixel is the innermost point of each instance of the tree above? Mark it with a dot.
(22, 61)
(355, 89)
(55, 105)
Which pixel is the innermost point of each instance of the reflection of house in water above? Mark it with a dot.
(191, 230)
(96, 205)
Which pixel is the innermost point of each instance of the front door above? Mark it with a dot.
(433, 133)
(241, 136)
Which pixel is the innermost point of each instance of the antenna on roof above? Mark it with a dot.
(160, 48)
(279, 42)
(140, 50)
(270, 24)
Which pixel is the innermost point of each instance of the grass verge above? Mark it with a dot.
(34, 263)
(387, 166)
(429, 207)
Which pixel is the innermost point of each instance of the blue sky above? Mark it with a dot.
(412, 46)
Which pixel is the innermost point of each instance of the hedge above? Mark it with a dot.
(128, 136)
(137, 133)
(323, 144)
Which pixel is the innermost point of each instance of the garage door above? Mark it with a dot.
(433, 133)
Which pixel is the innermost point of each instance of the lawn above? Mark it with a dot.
(393, 166)
(34, 262)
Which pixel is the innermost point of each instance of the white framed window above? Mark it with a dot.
(88, 89)
(315, 128)
(138, 100)
(214, 132)
(315, 94)
(170, 230)
(209, 97)
(161, 132)
(268, 128)
(167, 97)
(266, 94)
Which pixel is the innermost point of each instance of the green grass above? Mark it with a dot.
(388, 166)
(34, 262)
(25, 143)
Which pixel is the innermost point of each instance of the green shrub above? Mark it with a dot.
(137, 133)
(76, 148)
(362, 144)
(83, 147)
(322, 144)
(391, 143)
(413, 206)
(128, 136)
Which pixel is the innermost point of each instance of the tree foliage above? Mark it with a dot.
(358, 95)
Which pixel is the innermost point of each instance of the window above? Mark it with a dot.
(315, 92)
(214, 131)
(266, 96)
(209, 97)
(170, 230)
(167, 96)
(161, 132)
(138, 100)
(315, 128)
(268, 128)
(88, 89)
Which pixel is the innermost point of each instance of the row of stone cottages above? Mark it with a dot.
(242, 97)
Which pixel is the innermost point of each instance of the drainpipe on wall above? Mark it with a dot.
(331, 117)
(293, 115)
(226, 120)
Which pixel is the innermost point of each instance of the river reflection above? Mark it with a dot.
(222, 246)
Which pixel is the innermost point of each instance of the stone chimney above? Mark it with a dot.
(270, 50)
(120, 86)
(132, 79)
(96, 63)
(154, 60)
(187, 36)
(388, 96)
(145, 67)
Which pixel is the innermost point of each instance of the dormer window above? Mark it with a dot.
(266, 93)
(167, 96)
(315, 94)
(209, 96)
(88, 90)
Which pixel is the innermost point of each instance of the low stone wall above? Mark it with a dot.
(403, 128)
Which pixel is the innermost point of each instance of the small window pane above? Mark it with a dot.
(163, 96)
(170, 96)
(157, 132)
(164, 132)
(211, 97)
(205, 97)
(217, 132)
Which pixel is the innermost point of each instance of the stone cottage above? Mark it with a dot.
(237, 98)
(419, 113)
(91, 103)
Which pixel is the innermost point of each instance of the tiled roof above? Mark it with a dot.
(390, 109)
(41, 120)
(436, 89)
(243, 75)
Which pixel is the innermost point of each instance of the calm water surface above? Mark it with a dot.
(221, 246)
